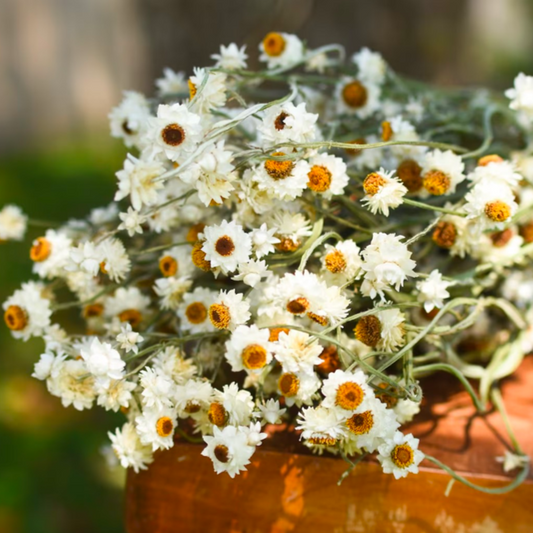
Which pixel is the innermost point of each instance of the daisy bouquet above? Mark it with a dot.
(297, 245)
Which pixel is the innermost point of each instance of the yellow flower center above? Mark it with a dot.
(275, 332)
(173, 134)
(498, 211)
(278, 170)
(192, 234)
(349, 395)
(402, 455)
(219, 315)
(192, 89)
(355, 94)
(335, 261)
(254, 356)
(286, 244)
(93, 310)
(221, 452)
(322, 441)
(217, 414)
(15, 318)
(164, 426)
(279, 121)
(360, 423)
(196, 313)
(132, 316)
(224, 246)
(386, 131)
(444, 235)
(319, 178)
(41, 249)
(436, 182)
(289, 384)
(274, 44)
(373, 183)
(410, 174)
(368, 330)
(168, 266)
(198, 257)
(298, 306)
(103, 268)
(491, 158)
(319, 319)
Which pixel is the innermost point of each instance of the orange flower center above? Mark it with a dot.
(41, 250)
(217, 414)
(298, 306)
(164, 426)
(355, 94)
(289, 384)
(192, 234)
(168, 266)
(368, 330)
(360, 423)
(410, 174)
(349, 395)
(198, 257)
(15, 318)
(254, 357)
(445, 235)
(93, 310)
(386, 131)
(402, 455)
(373, 183)
(436, 182)
(278, 170)
(319, 178)
(196, 313)
(491, 158)
(133, 316)
(274, 44)
(335, 261)
(497, 211)
(219, 315)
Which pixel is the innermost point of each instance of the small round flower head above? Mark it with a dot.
(129, 119)
(128, 339)
(321, 426)
(384, 191)
(157, 388)
(207, 90)
(176, 261)
(192, 397)
(270, 411)
(129, 305)
(298, 388)
(281, 50)
(172, 83)
(26, 312)
(298, 352)
(252, 273)
(114, 261)
(358, 97)
(342, 262)
(171, 362)
(521, 95)
(386, 262)
(117, 395)
(382, 330)
(433, 290)
(138, 180)
(194, 310)
(405, 410)
(229, 450)
(226, 245)
(156, 427)
(490, 205)
(171, 291)
(263, 240)
(174, 133)
(231, 57)
(327, 175)
(84, 258)
(132, 221)
(442, 172)
(229, 310)
(47, 365)
(452, 233)
(50, 254)
(103, 361)
(346, 391)
(249, 349)
(287, 122)
(236, 405)
(13, 223)
(129, 449)
(493, 169)
(70, 382)
(400, 455)
(371, 66)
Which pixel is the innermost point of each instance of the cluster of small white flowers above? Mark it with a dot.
(263, 264)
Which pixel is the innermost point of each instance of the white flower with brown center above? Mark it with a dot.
(249, 349)
(193, 398)
(442, 172)
(50, 254)
(156, 427)
(400, 455)
(281, 50)
(173, 134)
(231, 57)
(357, 97)
(226, 245)
(298, 388)
(129, 119)
(129, 449)
(194, 310)
(493, 169)
(114, 260)
(128, 305)
(342, 262)
(13, 223)
(384, 191)
(229, 310)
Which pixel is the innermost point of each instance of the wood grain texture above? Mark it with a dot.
(297, 492)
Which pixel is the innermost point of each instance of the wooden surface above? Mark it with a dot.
(297, 492)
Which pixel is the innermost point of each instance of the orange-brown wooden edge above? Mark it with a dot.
(297, 492)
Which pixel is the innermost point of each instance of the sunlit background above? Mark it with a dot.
(63, 65)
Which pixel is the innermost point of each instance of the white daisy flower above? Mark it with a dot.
(132, 221)
(371, 66)
(270, 411)
(157, 389)
(299, 293)
(298, 388)
(342, 262)
(384, 191)
(297, 352)
(50, 254)
(399, 129)
(129, 449)
(321, 426)
(358, 97)
(237, 403)
(175, 132)
(172, 83)
(171, 362)
(263, 240)
(156, 427)
(453, 233)
(254, 434)
(128, 339)
(521, 95)
(231, 57)
(327, 175)
(433, 290)
(192, 396)
(493, 169)
(176, 261)
(207, 90)
(229, 450)
(26, 312)
(400, 455)
(405, 410)
(194, 310)
(128, 121)
(287, 123)
(229, 310)
(281, 50)
(47, 365)
(138, 180)
(442, 172)
(103, 362)
(249, 349)
(13, 223)
(346, 391)
(71, 383)
(117, 395)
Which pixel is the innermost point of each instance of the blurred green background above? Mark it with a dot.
(63, 65)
